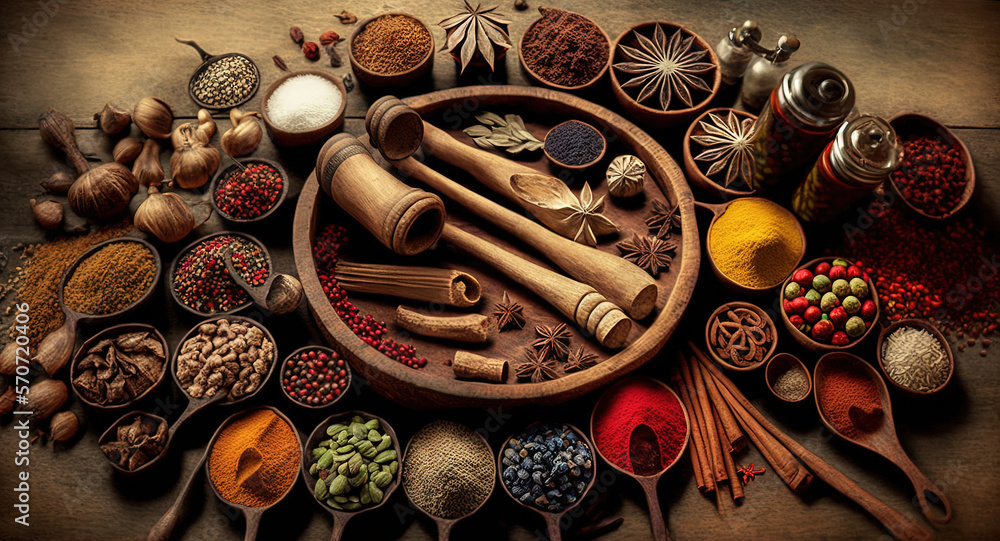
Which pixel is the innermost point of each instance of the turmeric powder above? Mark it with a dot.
(280, 454)
(756, 243)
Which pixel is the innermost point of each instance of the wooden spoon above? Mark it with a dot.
(644, 443)
(280, 294)
(165, 526)
(879, 431)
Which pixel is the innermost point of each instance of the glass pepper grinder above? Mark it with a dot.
(765, 72)
(797, 121)
(865, 151)
(737, 49)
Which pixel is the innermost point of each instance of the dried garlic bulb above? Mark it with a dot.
(112, 120)
(242, 139)
(63, 426)
(147, 169)
(194, 160)
(626, 176)
(154, 117)
(164, 215)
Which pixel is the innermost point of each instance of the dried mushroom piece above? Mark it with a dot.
(116, 370)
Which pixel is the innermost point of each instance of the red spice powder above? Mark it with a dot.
(844, 385)
(634, 403)
(565, 48)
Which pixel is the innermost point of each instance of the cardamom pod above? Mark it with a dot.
(372, 425)
(351, 506)
(326, 460)
(343, 457)
(376, 493)
(341, 499)
(326, 443)
(374, 468)
(345, 449)
(352, 440)
(318, 452)
(374, 436)
(333, 504)
(384, 444)
(320, 491)
(357, 419)
(388, 455)
(359, 430)
(342, 437)
(355, 463)
(340, 485)
(382, 479)
(359, 479)
(343, 469)
(333, 430)
(366, 497)
(394, 467)
(314, 469)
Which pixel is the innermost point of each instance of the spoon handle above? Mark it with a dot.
(253, 524)
(660, 532)
(552, 525)
(338, 528)
(924, 488)
(165, 526)
(257, 294)
(444, 529)
(55, 349)
(195, 405)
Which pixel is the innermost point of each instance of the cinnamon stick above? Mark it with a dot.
(699, 456)
(731, 427)
(692, 376)
(735, 487)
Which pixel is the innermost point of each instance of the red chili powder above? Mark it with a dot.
(632, 404)
(844, 385)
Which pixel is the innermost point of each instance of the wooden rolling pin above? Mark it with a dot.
(579, 302)
(622, 282)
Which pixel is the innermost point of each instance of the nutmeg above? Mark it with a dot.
(147, 168)
(242, 139)
(7, 401)
(154, 117)
(8, 359)
(58, 183)
(164, 215)
(48, 214)
(127, 150)
(112, 120)
(45, 398)
(63, 426)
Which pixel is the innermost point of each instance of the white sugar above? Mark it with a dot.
(303, 103)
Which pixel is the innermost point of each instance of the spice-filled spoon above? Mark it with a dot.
(452, 451)
(655, 437)
(853, 402)
(280, 293)
(115, 277)
(358, 474)
(559, 447)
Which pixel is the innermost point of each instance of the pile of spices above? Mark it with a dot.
(245, 194)
(315, 377)
(303, 103)
(40, 277)
(547, 466)
(574, 143)
(915, 359)
(136, 443)
(120, 368)
(328, 243)
(391, 44)
(354, 466)
(792, 384)
(945, 273)
(830, 303)
(277, 445)
(223, 355)
(849, 399)
(932, 174)
(448, 471)
(226, 82)
(111, 279)
(639, 402)
(565, 48)
(202, 282)
(741, 336)
(756, 243)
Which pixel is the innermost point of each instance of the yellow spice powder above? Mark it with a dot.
(755, 243)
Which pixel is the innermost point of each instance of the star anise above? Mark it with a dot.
(664, 219)
(579, 218)
(663, 67)
(508, 314)
(727, 142)
(649, 253)
(476, 30)
(537, 367)
(553, 340)
(580, 360)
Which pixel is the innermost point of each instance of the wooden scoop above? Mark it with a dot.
(280, 294)
(248, 467)
(878, 432)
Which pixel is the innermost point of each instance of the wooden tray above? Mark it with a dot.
(434, 386)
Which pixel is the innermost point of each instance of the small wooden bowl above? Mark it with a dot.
(655, 117)
(920, 324)
(376, 79)
(285, 138)
(296, 353)
(221, 174)
(694, 171)
(604, 147)
(111, 434)
(780, 364)
(766, 319)
(913, 123)
(565, 88)
(807, 341)
(188, 248)
(114, 331)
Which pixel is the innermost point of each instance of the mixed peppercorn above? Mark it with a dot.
(202, 282)
(315, 377)
(248, 193)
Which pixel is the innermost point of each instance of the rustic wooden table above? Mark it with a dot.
(935, 57)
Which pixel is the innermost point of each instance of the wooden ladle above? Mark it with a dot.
(644, 443)
(879, 432)
(280, 294)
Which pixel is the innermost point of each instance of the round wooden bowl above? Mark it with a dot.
(538, 78)
(778, 365)
(376, 79)
(604, 148)
(655, 117)
(914, 123)
(768, 322)
(728, 282)
(286, 138)
(284, 368)
(221, 174)
(920, 324)
(435, 385)
(111, 434)
(188, 248)
(695, 172)
(111, 331)
(807, 341)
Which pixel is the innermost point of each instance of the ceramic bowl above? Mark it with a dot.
(376, 79)
(286, 138)
(765, 319)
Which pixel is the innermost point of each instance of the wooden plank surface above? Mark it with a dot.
(941, 61)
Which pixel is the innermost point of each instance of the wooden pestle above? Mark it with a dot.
(579, 302)
(406, 220)
(622, 282)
